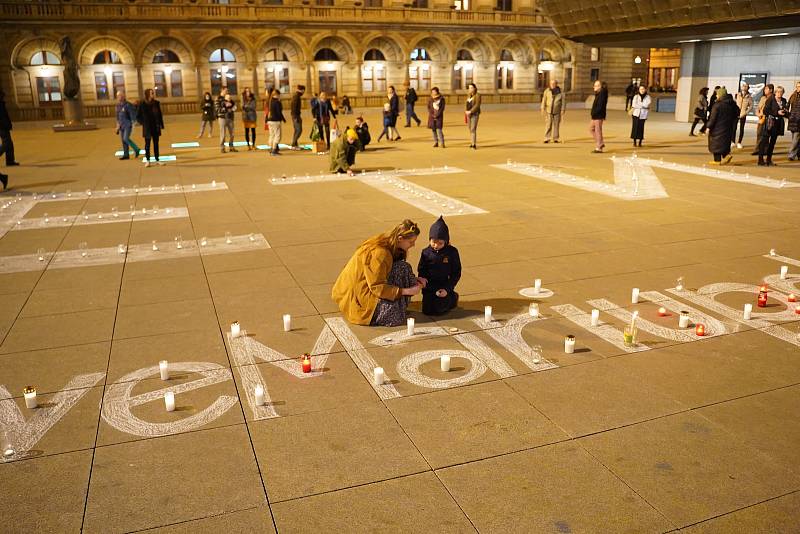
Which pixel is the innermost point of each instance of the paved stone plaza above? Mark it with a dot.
(673, 432)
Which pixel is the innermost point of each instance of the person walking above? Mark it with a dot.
(295, 111)
(394, 111)
(152, 122)
(721, 127)
(794, 123)
(249, 117)
(641, 109)
(274, 120)
(126, 116)
(598, 114)
(713, 99)
(323, 112)
(473, 113)
(553, 109)
(773, 125)
(436, 116)
(745, 102)
(700, 111)
(630, 92)
(225, 109)
(411, 101)
(208, 115)
(5, 133)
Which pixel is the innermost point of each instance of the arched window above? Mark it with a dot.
(373, 54)
(106, 57)
(464, 55)
(221, 55)
(273, 54)
(420, 54)
(544, 55)
(44, 58)
(166, 56)
(326, 54)
(506, 55)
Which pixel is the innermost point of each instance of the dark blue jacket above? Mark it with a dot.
(442, 268)
(126, 114)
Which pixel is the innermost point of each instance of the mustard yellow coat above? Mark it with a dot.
(362, 283)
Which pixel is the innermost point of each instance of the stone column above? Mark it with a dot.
(695, 60)
(139, 81)
(199, 80)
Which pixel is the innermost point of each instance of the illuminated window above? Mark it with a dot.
(461, 5)
(106, 57)
(273, 54)
(420, 77)
(175, 83)
(119, 82)
(462, 76)
(44, 58)
(49, 90)
(221, 55)
(505, 76)
(420, 54)
(166, 56)
(277, 77)
(595, 54)
(223, 77)
(160, 83)
(101, 85)
(373, 78)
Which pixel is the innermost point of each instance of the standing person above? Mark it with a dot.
(761, 119)
(394, 108)
(553, 109)
(411, 101)
(386, 121)
(745, 102)
(598, 114)
(473, 113)
(630, 92)
(436, 116)
(225, 113)
(322, 114)
(296, 112)
(641, 109)
(721, 127)
(700, 111)
(274, 120)
(126, 116)
(208, 115)
(249, 118)
(794, 123)
(773, 126)
(346, 108)
(152, 122)
(713, 99)
(5, 133)
(376, 285)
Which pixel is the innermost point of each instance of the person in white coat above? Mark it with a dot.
(640, 108)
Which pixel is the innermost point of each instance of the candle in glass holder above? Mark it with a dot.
(763, 295)
(163, 368)
(444, 363)
(155, 246)
(683, 321)
(115, 212)
(487, 314)
(797, 310)
(377, 376)
(287, 322)
(629, 335)
(679, 284)
(169, 401)
(595, 317)
(700, 330)
(791, 297)
(748, 311)
(537, 286)
(228, 238)
(84, 248)
(662, 311)
(784, 271)
(533, 310)
(635, 295)
(410, 326)
(121, 248)
(179, 241)
(30, 397)
(46, 218)
(203, 241)
(306, 363)
(235, 329)
(259, 395)
(41, 254)
(569, 344)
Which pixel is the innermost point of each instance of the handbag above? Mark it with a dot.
(334, 134)
(315, 135)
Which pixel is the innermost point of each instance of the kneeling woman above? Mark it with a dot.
(377, 283)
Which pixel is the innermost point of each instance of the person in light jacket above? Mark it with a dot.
(745, 102)
(641, 109)
(553, 109)
(436, 117)
(473, 113)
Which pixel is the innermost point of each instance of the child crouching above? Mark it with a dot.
(440, 265)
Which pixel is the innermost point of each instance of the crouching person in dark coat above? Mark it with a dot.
(721, 127)
(440, 265)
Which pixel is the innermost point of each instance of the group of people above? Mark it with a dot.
(723, 114)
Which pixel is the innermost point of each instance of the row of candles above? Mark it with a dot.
(107, 191)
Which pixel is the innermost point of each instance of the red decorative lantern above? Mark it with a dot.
(762, 297)
(306, 363)
(700, 330)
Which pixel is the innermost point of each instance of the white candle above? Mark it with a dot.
(533, 309)
(444, 362)
(259, 394)
(683, 322)
(378, 376)
(595, 317)
(487, 314)
(784, 271)
(287, 322)
(409, 328)
(163, 367)
(569, 344)
(169, 401)
(30, 397)
(235, 329)
(635, 295)
(748, 311)
(537, 286)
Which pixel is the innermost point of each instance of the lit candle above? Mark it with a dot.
(700, 330)
(537, 286)
(228, 238)
(748, 311)
(595, 317)
(30, 397)
(169, 401)
(155, 246)
(784, 271)
(662, 311)
(259, 395)
(679, 285)
(213, 183)
(410, 326)
(163, 367)
(487, 314)
(635, 295)
(378, 377)
(797, 310)
(569, 344)
(444, 363)
(121, 248)
(287, 322)
(235, 329)
(791, 297)
(533, 310)
(683, 321)
(41, 253)
(306, 363)
(763, 295)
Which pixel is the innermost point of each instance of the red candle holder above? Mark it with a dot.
(700, 330)
(791, 297)
(306, 363)
(662, 312)
(762, 297)
(797, 310)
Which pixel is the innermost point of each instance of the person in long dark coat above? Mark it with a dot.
(721, 127)
(440, 266)
(774, 112)
(394, 112)
(436, 117)
(152, 122)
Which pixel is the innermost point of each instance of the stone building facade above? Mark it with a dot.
(186, 47)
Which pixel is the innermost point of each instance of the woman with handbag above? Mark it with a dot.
(152, 121)
(772, 124)
(700, 111)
